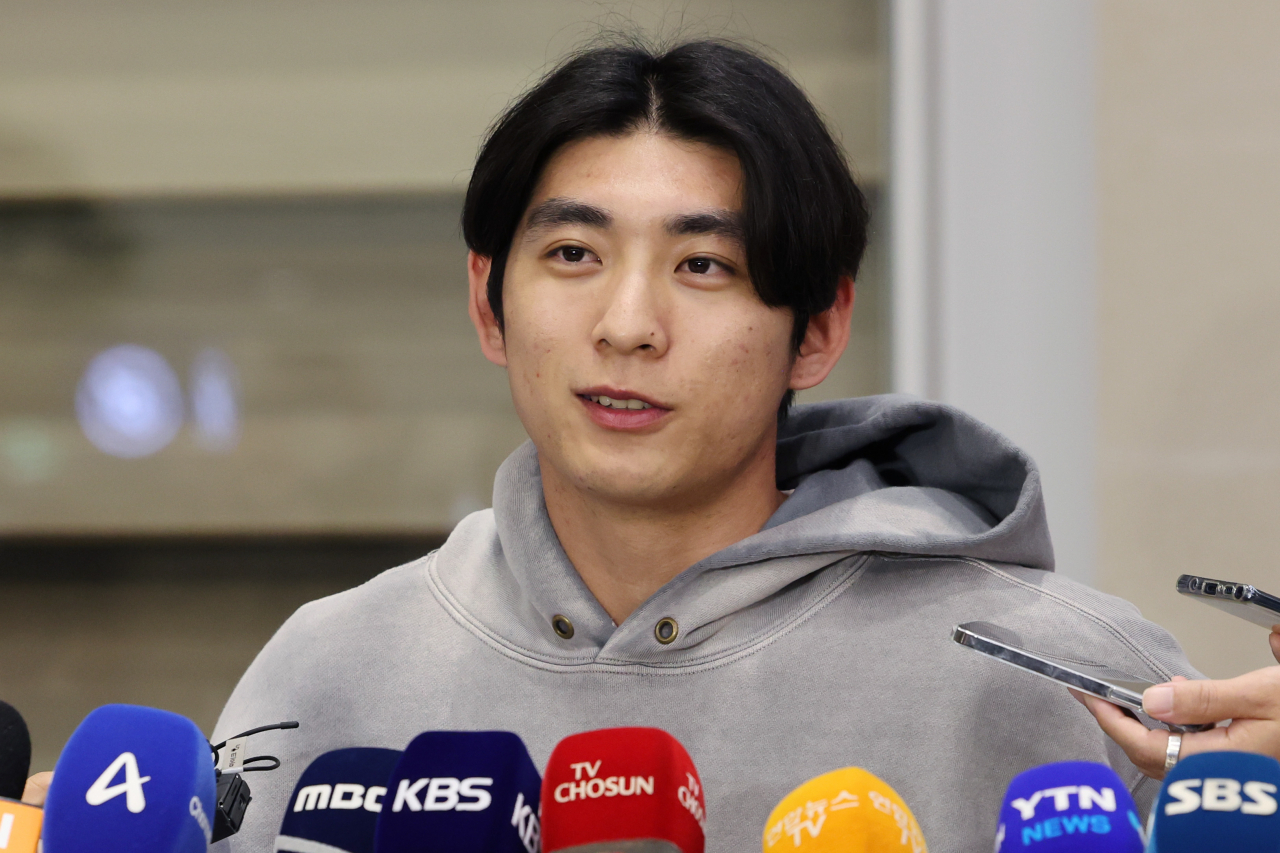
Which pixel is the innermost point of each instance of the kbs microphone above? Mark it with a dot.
(632, 789)
(1066, 807)
(131, 779)
(19, 822)
(461, 792)
(336, 803)
(1218, 801)
(844, 811)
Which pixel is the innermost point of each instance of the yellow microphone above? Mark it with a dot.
(844, 811)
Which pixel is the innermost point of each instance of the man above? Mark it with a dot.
(664, 249)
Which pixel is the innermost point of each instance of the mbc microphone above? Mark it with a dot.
(844, 811)
(1218, 801)
(461, 792)
(131, 779)
(632, 789)
(1067, 807)
(19, 822)
(336, 803)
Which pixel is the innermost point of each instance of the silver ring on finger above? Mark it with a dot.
(1172, 750)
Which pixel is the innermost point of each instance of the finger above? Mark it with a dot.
(37, 788)
(1254, 695)
(1275, 644)
(1145, 747)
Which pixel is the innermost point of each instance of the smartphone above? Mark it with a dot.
(1118, 688)
(1238, 599)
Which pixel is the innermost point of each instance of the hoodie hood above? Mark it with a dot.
(874, 474)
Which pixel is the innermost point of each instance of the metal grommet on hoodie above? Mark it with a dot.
(562, 626)
(666, 630)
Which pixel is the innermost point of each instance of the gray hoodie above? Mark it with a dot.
(823, 641)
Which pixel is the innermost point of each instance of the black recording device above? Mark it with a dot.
(233, 795)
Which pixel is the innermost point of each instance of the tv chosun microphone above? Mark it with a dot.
(336, 803)
(131, 779)
(461, 792)
(844, 811)
(1067, 807)
(1218, 801)
(19, 822)
(632, 789)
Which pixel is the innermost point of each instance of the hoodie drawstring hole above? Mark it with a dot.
(562, 626)
(666, 630)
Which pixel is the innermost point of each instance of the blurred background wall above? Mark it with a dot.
(1075, 205)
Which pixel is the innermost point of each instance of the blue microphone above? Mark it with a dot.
(131, 779)
(1066, 807)
(337, 801)
(1218, 801)
(461, 792)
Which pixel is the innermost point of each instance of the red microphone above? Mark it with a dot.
(631, 789)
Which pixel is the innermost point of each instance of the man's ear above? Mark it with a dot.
(824, 340)
(482, 316)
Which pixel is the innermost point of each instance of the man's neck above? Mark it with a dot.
(625, 553)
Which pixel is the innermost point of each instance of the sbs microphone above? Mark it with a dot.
(844, 811)
(1067, 807)
(627, 789)
(19, 822)
(131, 779)
(1218, 801)
(461, 792)
(337, 801)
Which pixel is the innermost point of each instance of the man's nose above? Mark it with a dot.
(633, 316)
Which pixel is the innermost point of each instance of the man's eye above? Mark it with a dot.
(702, 266)
(572, 254)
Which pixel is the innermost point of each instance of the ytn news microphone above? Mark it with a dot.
(336, 803)
(131, 779)
(1218, 801)
(632, 789)
(19, 822)
(844, 811)
(461, 792)
(1069, 807)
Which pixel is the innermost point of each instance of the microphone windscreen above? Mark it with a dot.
(633, 789)
(15, 752)
(1069, 806)
(337, 801)
(131, 779)
(844, 811)
(1218, 801)
(461, 792)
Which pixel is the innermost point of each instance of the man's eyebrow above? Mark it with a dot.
(721, 223)
(565, 211)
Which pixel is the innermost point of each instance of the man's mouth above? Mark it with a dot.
(611, 403)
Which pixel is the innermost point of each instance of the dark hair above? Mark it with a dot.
(804, 218)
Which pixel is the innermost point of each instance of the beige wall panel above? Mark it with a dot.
(1189, 174)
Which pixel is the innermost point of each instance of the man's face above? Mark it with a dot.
(641, 361)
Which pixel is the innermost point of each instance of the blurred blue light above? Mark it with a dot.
(129, 401)
(213, 401)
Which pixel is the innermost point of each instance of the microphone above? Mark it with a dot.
(19, 822)
(842, 811)
(131, 780)
(1218, 801)
(632, 789)
(1066, 807)
(461, 792)
(336, 803)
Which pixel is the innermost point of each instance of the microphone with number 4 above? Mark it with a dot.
(19, 822)
(629, 789)
(129, 780)
(844, 811)
(337, 801)
(1218, 801)
(461, 792)
(1067, 807)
